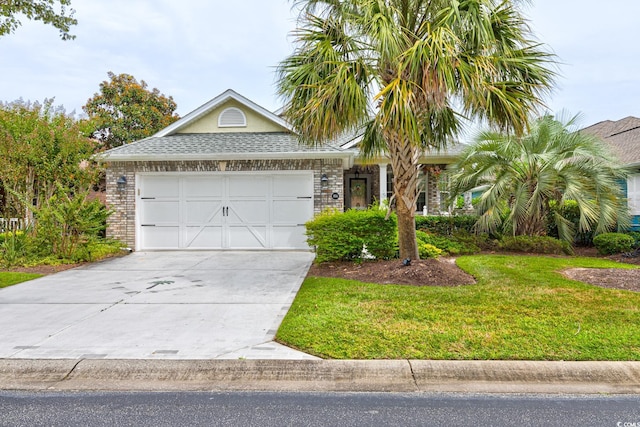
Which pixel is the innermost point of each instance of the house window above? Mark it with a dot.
(443, 189)
(232, 117)
(633, 194)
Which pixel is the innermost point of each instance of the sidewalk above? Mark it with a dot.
(322, 375)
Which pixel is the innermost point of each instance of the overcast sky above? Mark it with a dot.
(195, 49)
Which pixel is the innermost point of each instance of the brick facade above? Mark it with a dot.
(121, 224)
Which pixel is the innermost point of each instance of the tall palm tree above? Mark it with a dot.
(551, 164)
(397, 68)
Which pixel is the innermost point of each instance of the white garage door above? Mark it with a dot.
(224, 211)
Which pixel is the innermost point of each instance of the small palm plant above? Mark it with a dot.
(551, 164)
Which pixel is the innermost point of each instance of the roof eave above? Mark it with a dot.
(347, 157)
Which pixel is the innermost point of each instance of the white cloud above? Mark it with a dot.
(195, 49)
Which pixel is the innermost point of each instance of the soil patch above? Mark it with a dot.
(613, 278)
(424, 272)
(42, 269)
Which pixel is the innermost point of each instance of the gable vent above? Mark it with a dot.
(232, 117)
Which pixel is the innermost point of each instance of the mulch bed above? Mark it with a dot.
(425, 272)
(613, 278)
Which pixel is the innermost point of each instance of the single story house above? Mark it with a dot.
(623, 136)
(232, 175)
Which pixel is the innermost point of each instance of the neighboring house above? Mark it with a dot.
(623, 136)
(232, 175)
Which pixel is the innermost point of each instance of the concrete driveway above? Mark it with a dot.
(156, 305)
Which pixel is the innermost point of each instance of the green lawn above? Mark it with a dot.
(521, 309)
(8, 278)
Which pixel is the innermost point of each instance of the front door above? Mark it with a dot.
(358, 193)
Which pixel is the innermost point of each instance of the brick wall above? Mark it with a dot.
(121, 224)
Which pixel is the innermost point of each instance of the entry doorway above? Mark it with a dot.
(358, 191)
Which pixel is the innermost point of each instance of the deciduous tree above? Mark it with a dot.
(125, 110)
(38, 10)
(41, 149)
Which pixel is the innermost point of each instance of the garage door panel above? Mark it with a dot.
(160, 237)
(289, 237)
(248, 211)
(292, 185)
(203, 187)
(162, 186)
(156, 211)
(205, 237)
(243, 237)
(203, 212)
(292, 211)
(247, 186)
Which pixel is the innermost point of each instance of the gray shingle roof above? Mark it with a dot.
(623, 136)
(212, 145)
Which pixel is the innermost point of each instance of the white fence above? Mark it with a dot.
(11, 224)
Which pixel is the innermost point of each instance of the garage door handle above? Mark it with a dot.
(148, 225)
(309, 197)
(148, 198)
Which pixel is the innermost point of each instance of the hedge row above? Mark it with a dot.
(446, 225)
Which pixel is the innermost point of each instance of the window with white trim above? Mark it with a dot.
(633, 194)
(422, 188)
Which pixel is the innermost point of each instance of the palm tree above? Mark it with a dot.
(397, 68)
(526, 175)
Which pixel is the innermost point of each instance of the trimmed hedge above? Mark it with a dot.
(448, 245)
(535, 244)
(447, 225)
(613, 243)
(342, 235)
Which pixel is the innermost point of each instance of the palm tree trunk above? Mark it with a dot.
(404, 162)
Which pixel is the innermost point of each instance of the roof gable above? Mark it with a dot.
(205, 119)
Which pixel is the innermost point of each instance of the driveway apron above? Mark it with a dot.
(156, 305)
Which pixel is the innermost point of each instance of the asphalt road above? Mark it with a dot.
(315, 409)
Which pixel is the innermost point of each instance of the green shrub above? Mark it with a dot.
(427, 250)
(97, 248)
(474, 243)
(636, 238)
(67, 223)
(569, 210)
(535, 244)
(613, 243)
(342, 235)
(446, 225)
(13, 246)
(447, 245)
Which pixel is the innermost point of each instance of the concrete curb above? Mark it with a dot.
(322, 375)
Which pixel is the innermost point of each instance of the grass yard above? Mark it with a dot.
(8, 278)
(520, 309)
